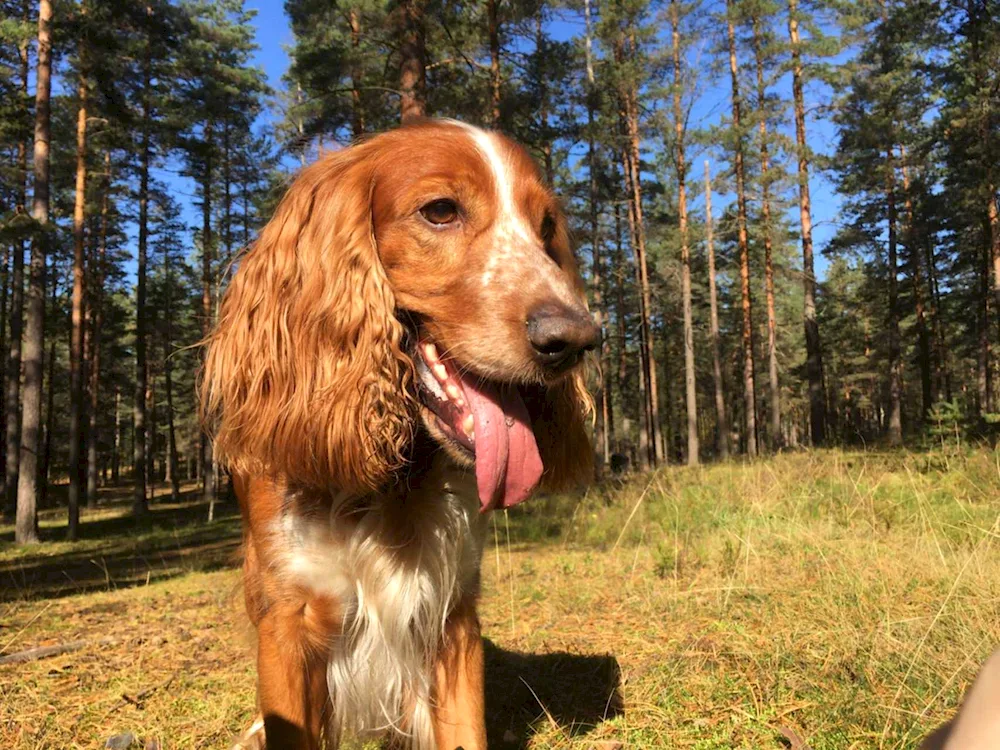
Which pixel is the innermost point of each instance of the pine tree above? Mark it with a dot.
(721, 418)
(680, 165)
(749, 388)
(16, 119)
(814, 349)
(26, 530)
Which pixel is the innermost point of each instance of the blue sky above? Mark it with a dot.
(274, 36)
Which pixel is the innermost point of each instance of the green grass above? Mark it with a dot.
(847, 597)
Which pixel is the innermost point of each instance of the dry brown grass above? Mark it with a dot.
(848, 598)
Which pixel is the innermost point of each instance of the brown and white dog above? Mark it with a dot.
(397, 355)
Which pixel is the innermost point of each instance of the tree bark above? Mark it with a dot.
(632, 167)
(116, 448)
(493, 29)
(814, 351)
(543, 94)
(622, 315)
(140, 504)
(916, 266)
(172, 470)
(208, 461)
(12, 384)
(150, 450)
(721, 420)
(76, 464)
(895, 426)
(749, 395)
(358, 114)
(650, 421)
(690, 384)
(605, 418)
(97, 319)
(774, 387)
(46, 461)
(942, 376)
(26, 529)
(993, 216)
(413, 70)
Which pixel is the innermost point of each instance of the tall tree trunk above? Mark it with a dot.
(150, 450)
(97, 318)
(116, 448)
(916, 266)
(895, 425)
(622, 314)
(12, 383)
(172, 470)
(357, 108)
(647, 366)
(493, 29)
(814, 351)
(774, 388)
(208, 460)
(300, 125)
(412, 71)
(605, 418)
(942, 376)
(993, 216)
(690, 383)
(26, 529)
(140, 504)
(50, 416)
(983, 364)
(721, 420)
(5, 280)
(173, 473)
(543, 95)
(632, 168)
(76, 465)
(749, 395)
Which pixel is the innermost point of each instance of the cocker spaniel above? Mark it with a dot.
(397, 355)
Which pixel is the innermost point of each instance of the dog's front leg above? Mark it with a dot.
(291, 686)
(459, 697)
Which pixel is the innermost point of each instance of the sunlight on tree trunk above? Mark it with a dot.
(26, 529)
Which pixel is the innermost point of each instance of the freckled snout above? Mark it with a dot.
(559, 335)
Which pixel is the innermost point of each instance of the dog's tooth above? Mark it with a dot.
(468, 425)
(430, 352)
(454, 392)
(440, 372)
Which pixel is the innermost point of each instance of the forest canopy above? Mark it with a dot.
(694, 146)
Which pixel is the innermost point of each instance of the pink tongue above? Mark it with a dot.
(508, 466)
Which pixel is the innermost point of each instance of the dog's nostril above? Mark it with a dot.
(560, 335)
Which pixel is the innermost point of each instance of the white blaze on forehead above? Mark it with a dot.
(516, 244)
(509, 217)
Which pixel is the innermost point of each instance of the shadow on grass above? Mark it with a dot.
(524, 690)
(119, 550)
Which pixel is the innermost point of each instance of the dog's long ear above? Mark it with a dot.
(305, 373)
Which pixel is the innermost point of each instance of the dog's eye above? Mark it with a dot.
(440, 212)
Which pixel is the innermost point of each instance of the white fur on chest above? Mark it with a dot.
(396, 570)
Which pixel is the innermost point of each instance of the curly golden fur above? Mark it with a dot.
(305, 374)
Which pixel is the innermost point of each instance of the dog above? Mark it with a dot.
(399, 353)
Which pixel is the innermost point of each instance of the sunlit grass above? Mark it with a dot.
(846, 597)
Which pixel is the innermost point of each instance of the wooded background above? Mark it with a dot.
(718, 337)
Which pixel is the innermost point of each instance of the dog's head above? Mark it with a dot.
(421, 279)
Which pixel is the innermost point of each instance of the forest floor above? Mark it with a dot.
(828, 599)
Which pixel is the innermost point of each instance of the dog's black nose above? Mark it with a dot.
(560, 335)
